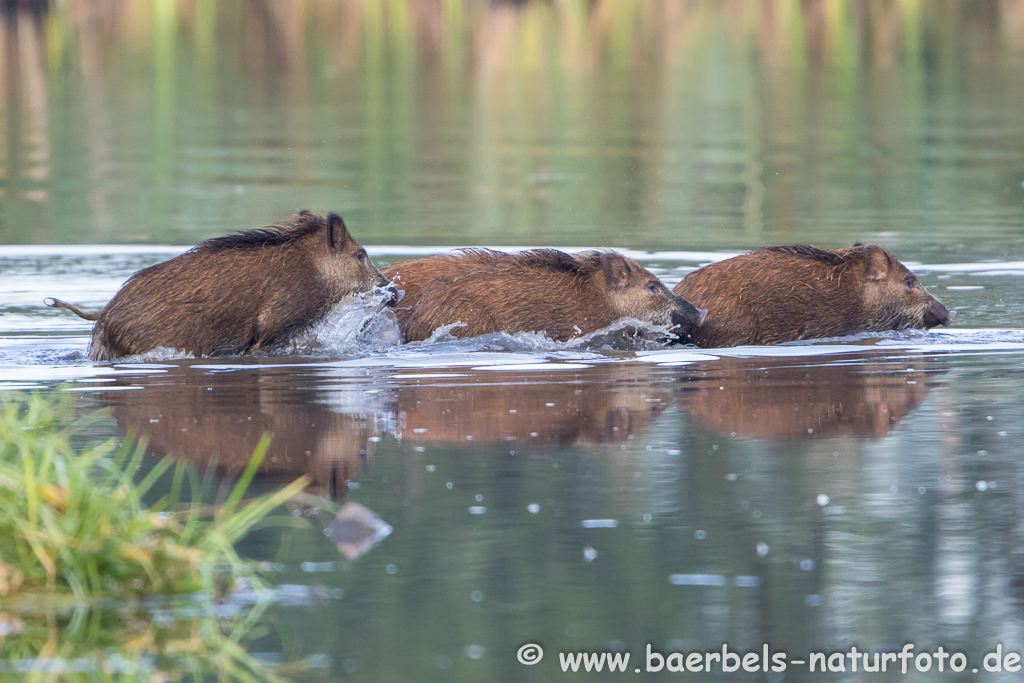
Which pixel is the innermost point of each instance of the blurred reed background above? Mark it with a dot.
(646, 123)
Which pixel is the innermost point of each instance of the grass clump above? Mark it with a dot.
(72, 521)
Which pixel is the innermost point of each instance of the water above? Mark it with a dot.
(592, 496)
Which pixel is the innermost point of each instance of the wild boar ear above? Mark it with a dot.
(337, 233)
(616, 270)
(877, 263)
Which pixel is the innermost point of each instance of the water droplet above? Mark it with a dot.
(982, 486)
(475, 651)
(391, 569)
(700, 534)
(589, 554)
(476, 596)
(807, 565)
(533, 508)
(762, 549)
(822, 500)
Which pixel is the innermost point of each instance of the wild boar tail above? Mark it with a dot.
(57, 303)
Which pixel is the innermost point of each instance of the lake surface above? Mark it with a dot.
(588, 496)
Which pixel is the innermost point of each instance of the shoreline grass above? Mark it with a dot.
(73, 522)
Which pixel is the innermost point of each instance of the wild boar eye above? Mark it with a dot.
(361, 258)
(653, 287)
(910, 281)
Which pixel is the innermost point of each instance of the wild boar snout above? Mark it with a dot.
(686, 318)
(394, 295)
(937, 314)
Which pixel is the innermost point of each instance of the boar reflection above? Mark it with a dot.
(219, 418)
(779, 399)
(604, 404)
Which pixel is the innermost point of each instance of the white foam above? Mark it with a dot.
(535, 366)
(63, 373)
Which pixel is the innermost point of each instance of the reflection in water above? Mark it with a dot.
(329, 430)
(856, 533)
(152, 641)
(217, 418)
(608, 403)
(768, 398)
(328, 427)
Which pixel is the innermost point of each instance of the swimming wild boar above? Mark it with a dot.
(235, 294)
(781, 294)
(542, 290)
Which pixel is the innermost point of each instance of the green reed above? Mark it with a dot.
(73, 522)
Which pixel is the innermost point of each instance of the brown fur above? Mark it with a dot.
(235, 294)
(781, 294)
(542, 290)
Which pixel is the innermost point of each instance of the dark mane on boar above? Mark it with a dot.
(304, 224)
(579, 264)
(832, 257)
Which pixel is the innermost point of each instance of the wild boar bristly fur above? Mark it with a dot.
(540, 290)
(779, 294)
(238, 293)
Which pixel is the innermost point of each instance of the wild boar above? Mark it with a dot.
(235, 294)
(542, 290)
(780, 294)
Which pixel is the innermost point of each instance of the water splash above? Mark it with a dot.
(359, 324)
(625, 334)
(159, 354)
